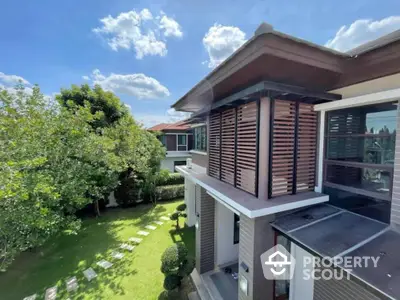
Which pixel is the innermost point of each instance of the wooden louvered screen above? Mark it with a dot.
(228, 119)
(283, 142)
(306, 148)
(293, 153)
(246, 153)
(214, 145)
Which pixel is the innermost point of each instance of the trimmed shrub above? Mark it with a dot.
(169, 295)
(181, 207)
(167, 178)
(176, 264)
(171, 282)
(170, 192)
(173, 257)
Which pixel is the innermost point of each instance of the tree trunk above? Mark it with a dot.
(96, 208)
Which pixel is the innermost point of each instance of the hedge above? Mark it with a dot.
(169, 192)
(170, 179)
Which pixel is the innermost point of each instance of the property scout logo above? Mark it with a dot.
(279, 264)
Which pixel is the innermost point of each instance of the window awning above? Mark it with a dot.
(328, 231)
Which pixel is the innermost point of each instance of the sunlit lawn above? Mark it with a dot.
(136, 276)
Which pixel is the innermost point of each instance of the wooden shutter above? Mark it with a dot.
(283, 143)
(228, 146)
(306, 148)
(214, 163)
(246, 156)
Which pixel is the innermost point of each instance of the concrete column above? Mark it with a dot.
(263, 151)
(256, 237)
(205, 231)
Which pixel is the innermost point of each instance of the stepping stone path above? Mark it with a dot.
(117, 255)
(51, 293)
(72, 284)
(158, 222)
(32, 297)
(144, 233)
(104, 264)
(127, 247)
(151, 227)
(165, 218)
(89, 274)
(135, 240)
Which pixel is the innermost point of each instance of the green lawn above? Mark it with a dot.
(136, 276)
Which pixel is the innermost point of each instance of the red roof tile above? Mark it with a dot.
(174, 126)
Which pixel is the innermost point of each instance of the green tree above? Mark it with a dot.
(52, 163)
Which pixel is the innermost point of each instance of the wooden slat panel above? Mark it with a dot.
(228, 146)
(246, 147)
(283, 141)
(306, 148)
(214, 163)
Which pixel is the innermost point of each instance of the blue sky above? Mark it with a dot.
(151, 52)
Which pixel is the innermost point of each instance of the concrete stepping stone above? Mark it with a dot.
(89, 274)
(117, 255)
(159, 222)
(144, 233)
(72, 284)
(135, 240)
(127, 247)
(104, 264)
(165, 218)
(151, 227)
(51, 293)
(31, 297)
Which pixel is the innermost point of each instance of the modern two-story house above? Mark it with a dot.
(177, 138)
(301, 151)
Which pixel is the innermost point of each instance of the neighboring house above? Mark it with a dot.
(177, 138)
(302, 152)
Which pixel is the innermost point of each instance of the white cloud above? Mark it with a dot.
(136, 85)
(87, 78)
(128, 106)
(362, 31)
(170, 116)
(170, 27)
(138, 31)
(12, 80)
(221, 41)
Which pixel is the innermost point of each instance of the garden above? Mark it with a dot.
(60, 160)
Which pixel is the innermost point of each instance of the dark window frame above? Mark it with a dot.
(201, 133)
(355, 164)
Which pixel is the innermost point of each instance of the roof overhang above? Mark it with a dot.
(272, 57)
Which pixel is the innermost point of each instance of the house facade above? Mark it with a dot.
(301, 152)
(177, 138)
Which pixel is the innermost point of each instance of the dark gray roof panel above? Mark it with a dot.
(305, 216)
(386, 276)
(337, 234)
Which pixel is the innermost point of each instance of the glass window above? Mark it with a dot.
(182, 140)
(200, 138)
(236, 229)
(359, 155)
(163, 140)
(179, 163)
(282, 287)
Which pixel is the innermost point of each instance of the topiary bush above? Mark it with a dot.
(179, 213)
(170, 192)
(172, 281)
(176, 264)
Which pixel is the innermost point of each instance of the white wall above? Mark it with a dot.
(371, 86)
(226, 250)
(190, 199)
(168, 162)
(300, 288)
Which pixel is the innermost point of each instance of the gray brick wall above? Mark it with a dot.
(343, 289)
(205, 207)
(395, 210)
(256, 237)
